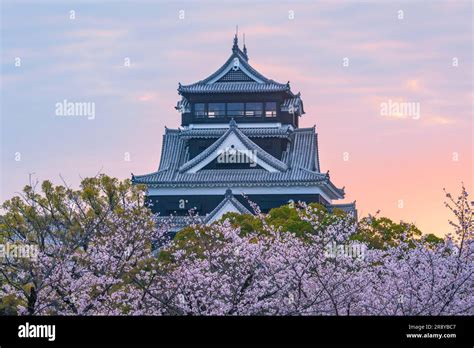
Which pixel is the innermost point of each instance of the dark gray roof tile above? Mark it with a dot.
(261, 154)
(301, 160)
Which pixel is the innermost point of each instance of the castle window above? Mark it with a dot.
(235, 109)
(200, 110)
(216, 110)
(270, 109)
(253, 109)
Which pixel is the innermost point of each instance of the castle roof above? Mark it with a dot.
(244, 141)
(299, 165)
(236, 75)
(228, 204)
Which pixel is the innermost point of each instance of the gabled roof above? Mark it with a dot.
(183, 105)
(301, 159)
(228, 204)
(293, 105)
(349, 208)
(213, 150)
(233, 87)
(260, 132)
(236, 76)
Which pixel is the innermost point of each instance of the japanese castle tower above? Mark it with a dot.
(239, 136)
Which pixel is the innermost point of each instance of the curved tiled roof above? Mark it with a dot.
(261, 154)
(263, 132)
(294, 103)
(234, 87)
(183, 105)
(301, 160)
(229, 197)
(236, 75)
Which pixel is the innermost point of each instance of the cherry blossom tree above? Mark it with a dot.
(103, 252)
(88, 241)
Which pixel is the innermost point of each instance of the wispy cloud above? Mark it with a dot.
(406, 60)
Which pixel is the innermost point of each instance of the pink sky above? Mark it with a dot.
(390, 158)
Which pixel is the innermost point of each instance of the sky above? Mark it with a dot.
(347, 58)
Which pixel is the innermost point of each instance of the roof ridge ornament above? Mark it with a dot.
(245, 49)
(235, 47)
(232, 123)
(228, 192)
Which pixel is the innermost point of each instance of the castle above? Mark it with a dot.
(239, 135)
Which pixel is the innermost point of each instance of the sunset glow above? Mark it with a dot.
(397, 162)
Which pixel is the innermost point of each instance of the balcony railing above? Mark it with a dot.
(283, 117)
